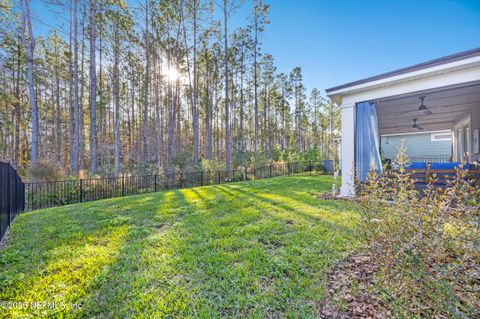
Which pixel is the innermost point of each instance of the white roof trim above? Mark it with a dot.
(439, 69)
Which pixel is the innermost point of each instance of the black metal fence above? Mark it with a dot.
(50, 194)
(12, 196)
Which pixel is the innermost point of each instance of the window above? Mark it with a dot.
(441, 137)
(463, 142)
(459, 144)
(466, 140)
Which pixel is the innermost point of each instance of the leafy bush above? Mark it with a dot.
(427, 244)
(277, 154)
(211, 166)
(46, 171)
(313, 154)
(319, 168)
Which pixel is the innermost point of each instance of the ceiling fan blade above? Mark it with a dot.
(420, 128)
(424, 112)
(404, 113)
(411, 126)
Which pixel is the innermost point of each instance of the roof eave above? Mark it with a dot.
(334, 91)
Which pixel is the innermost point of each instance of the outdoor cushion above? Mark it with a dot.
(448, 166)
(417, 165)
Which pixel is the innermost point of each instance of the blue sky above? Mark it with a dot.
(338, 41)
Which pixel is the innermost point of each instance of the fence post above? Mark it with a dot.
(270, 170)
(155, 182)
(201, 178)
(81, 190)
(23, 194)
(123, 185)
(254, 173)
(311, 168)
(9, 189)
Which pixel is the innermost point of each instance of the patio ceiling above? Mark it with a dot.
(448, 105)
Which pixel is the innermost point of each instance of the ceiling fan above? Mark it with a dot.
(414, 125)
(423, 109)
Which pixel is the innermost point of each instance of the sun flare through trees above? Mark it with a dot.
(142, 86)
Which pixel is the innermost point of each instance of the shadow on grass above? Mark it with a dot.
(295, 201)
(144, 274)
(56, 254)
(226, 250)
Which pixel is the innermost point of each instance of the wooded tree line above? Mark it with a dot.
(151, 86)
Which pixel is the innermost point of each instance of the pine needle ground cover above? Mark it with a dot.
(251, 249)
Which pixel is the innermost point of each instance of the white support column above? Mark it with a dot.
(348, 151)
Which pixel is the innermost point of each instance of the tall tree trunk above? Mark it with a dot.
(265, 111)
(30, 47)
(132, 89)
(45, 105)
(71, 122)
(82, 90)
(102, 120)
(17, 159)
(76, 149)
(298, 116)
(209, 115)
(129, 125)
(227, 106)
(284, 121)
(170, 128)
(4, 129)
(178, 133)
(56, 119)
(217, 127)
(255, 90)
(162, 132)
(195, 86)
(116, 96)
(158, 119)
(242, 130)
(147, 83)
(233, 106)
(93, 88)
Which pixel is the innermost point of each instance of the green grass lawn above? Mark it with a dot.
(252, 249)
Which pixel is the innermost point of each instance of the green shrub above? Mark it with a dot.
(427, 246)
(211, 166)
(313, 154)
(46, 171)
(319, 168)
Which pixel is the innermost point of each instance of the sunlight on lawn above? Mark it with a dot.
(247, 249)
(68, 273)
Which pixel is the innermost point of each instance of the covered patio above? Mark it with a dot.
(432, 109)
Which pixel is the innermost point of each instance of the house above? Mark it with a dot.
(430, 146)
(435, 98)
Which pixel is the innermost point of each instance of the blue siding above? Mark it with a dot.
(417, 145)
